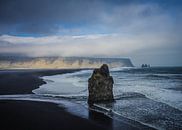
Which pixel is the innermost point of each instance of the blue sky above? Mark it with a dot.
(147, 31)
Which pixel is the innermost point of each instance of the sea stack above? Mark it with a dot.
(100, 85)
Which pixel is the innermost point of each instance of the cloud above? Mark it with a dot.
(47, 17)
(98, 45)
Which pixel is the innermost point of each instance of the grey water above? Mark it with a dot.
(151, 96)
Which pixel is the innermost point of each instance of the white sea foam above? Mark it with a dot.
(75, 84)
(121, 68)
(170, 97)
(64, 85)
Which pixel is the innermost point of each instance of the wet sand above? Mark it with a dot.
(29, 115)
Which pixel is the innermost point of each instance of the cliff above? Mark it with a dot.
(61, 62)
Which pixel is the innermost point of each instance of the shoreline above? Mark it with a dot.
(32, 80)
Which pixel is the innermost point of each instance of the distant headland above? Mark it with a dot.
(14, 62)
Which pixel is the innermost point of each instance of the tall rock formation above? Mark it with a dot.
(100, 85)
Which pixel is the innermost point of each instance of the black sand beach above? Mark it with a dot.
(24, 81)
(31, 115)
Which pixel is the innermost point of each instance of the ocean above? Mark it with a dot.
(151, 96)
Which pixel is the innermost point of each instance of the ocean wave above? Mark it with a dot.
(157, 76)
(143, 110)
(118, 69)
(128, 95)
(117, 116)
(164, 76)
(64, 84)
(76, 84)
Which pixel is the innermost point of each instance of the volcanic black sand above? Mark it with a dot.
(33, 115)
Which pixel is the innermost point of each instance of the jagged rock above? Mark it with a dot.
(100, 85)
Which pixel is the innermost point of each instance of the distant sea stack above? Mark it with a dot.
(7, 62)
(100, 85)
(145, 65)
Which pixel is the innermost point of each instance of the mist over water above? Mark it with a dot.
(152, 96)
